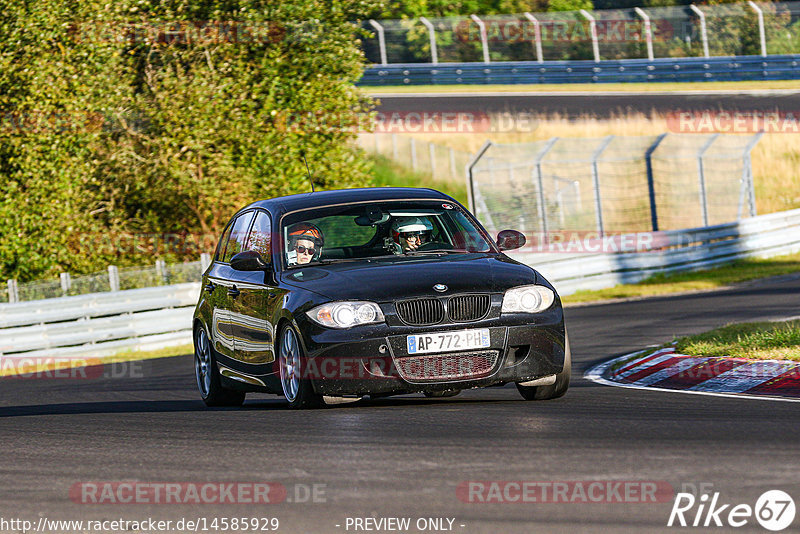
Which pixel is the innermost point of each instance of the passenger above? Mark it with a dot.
(306, 242)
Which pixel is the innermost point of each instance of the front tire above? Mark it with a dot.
(299, 391)
(207, 374)
(553, 391)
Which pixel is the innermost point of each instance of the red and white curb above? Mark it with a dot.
(728, 377)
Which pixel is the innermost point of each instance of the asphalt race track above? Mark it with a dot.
(406, 456)
(601, 105)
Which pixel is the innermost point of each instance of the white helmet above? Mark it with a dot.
(407, 226)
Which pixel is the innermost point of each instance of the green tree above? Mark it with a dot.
(174, 115)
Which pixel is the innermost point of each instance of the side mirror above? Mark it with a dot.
(249, 260)
(510, 240)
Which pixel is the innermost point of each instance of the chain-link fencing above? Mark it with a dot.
(613, 184)
(113, 279)
(434, 159)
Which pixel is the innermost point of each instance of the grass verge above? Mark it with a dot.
(664, 284)
(389, 173)
(760, 341)
(42, 366)
(586, 87)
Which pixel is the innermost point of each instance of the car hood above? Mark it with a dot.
(390, 279)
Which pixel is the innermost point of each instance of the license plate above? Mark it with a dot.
(448, 341)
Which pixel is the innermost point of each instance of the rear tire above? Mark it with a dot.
(553, 391)
(207, 374)
(298, 391)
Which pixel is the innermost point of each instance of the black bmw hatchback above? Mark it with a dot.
(376, 292)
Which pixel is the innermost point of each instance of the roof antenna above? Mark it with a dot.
(310, 179)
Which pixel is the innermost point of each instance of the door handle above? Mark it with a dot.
(233, 292)
(210, 287)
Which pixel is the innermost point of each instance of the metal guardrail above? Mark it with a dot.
(733, 68)
(99, 324)
(672, 251)
(684, 31)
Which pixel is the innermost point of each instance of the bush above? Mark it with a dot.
(165, 117)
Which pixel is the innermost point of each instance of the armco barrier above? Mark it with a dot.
(734, 68)
(679, 250)
(99, 324)
(102, 324)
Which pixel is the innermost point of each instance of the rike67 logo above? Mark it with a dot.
(774, 510)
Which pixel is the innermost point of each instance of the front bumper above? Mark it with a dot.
(374, 359)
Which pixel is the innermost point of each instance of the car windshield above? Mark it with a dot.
(379, 229)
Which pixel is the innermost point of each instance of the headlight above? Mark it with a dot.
(528, 299)
(346, 314)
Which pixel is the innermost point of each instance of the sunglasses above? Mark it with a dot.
(302, 250)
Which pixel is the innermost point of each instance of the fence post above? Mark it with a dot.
(161, 271)
(537, 35)
(702, 177)
(432, 39)
(394, 147)
(484, 38)
(381, 40)
(66, 283)
(747, 178)
(651, 187)
(596, 181)
(453, 171)
(205, 261)
(413, 144)
(648, 31)
(592, 33)
(113, 277)
(13, 291)
(761, 35)
(703, 32)
(472, 162)
(432, 157)
(537, 165)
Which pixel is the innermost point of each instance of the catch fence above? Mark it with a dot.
(613, 184)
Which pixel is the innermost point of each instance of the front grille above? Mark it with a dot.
(458, 366)
(468, 307)
(420, 312)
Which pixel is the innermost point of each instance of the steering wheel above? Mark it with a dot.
(435, 245)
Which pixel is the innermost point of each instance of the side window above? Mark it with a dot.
(238, 235)
(260, 238)
(223, 242)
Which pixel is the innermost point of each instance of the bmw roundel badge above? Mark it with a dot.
(441, 288)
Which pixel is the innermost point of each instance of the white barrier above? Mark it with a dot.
(99, 324)
(673, 251)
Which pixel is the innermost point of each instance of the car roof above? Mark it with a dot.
(325, 198)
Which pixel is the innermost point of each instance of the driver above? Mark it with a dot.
(305, 243)
(409, 233)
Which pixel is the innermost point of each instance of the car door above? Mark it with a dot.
(254, 305)
(221, 285)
